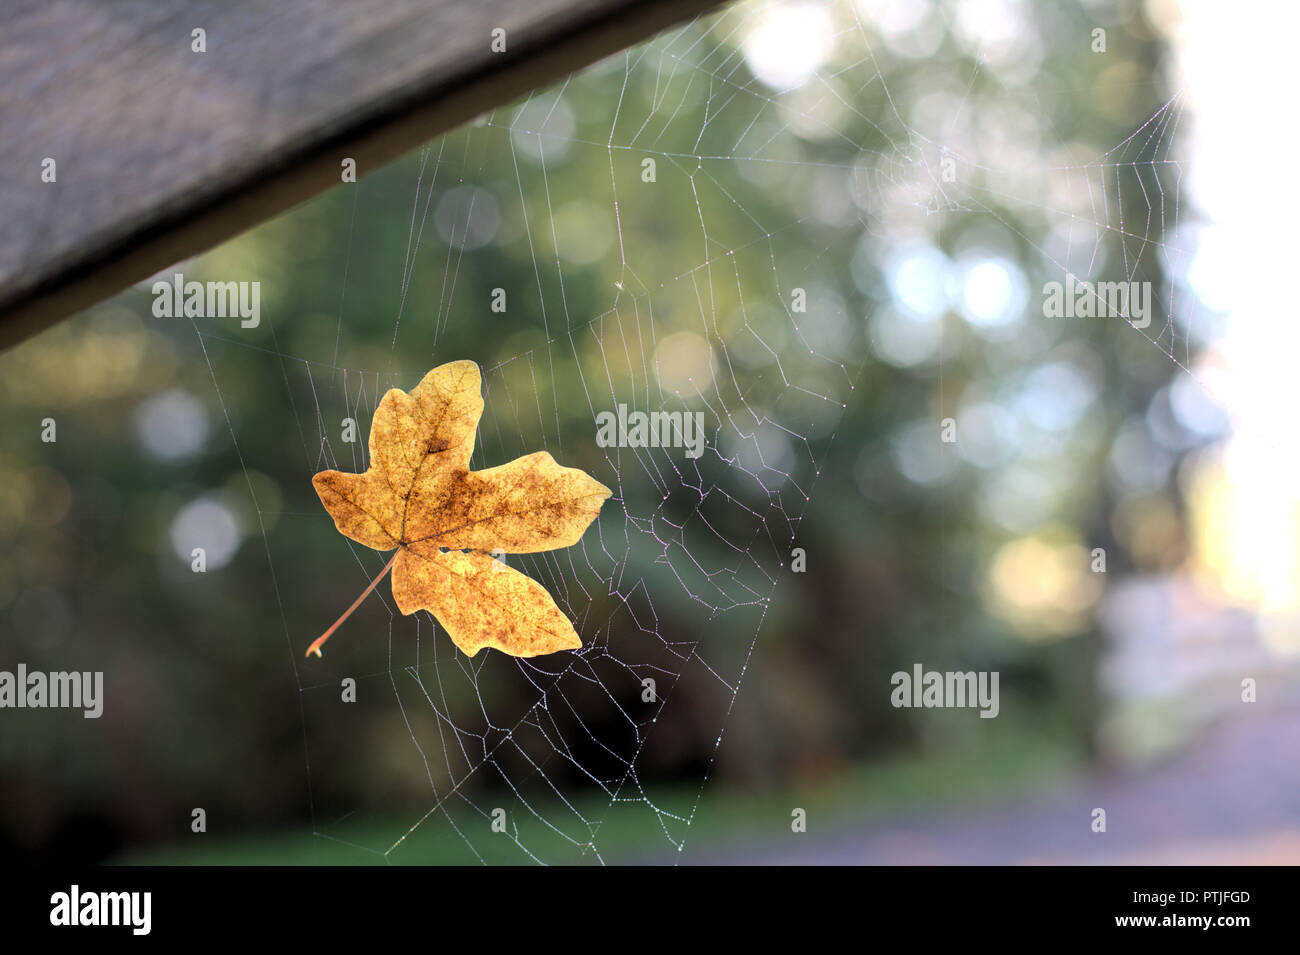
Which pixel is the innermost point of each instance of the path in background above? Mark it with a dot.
(1233, 798)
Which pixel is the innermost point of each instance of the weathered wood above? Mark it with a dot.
(163, 152)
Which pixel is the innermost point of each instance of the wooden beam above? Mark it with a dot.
(162, 152)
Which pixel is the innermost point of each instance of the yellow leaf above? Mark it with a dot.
(529, 505)
(482, 603)
(419, 496)
(421, 439)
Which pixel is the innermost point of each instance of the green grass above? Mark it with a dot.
(1013, 763)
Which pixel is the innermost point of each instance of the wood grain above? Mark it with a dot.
(162, 152)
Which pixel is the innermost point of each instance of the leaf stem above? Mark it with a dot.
(316, 644)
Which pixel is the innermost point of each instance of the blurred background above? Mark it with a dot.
(827, 226)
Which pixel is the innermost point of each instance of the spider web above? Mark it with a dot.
(676, 579)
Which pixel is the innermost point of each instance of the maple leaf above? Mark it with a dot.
(420, 497)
